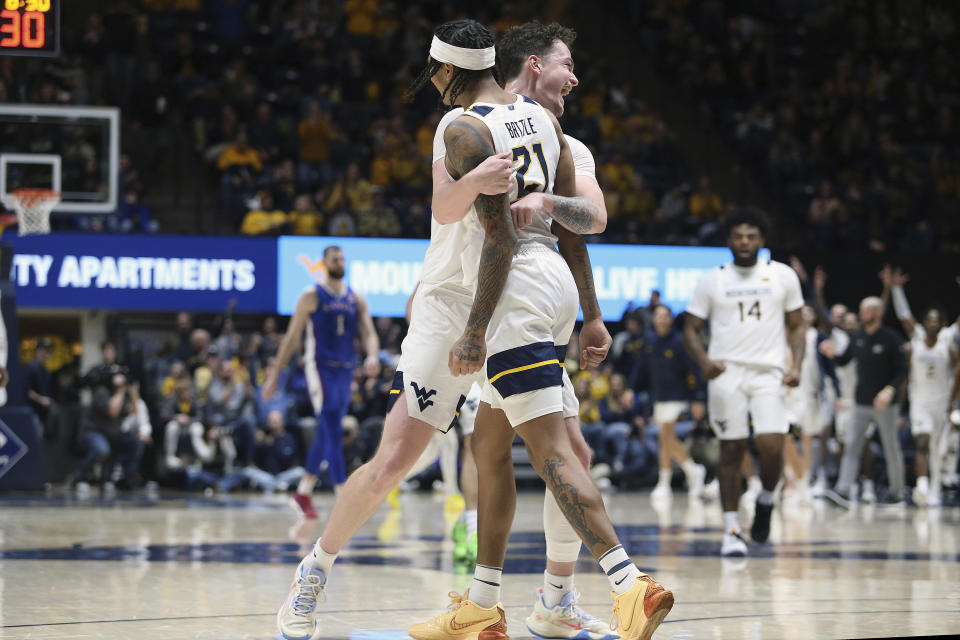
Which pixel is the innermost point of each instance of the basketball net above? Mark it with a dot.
(33, 207)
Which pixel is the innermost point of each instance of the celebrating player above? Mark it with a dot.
(527, 331)
(536, 61)
(748, 303)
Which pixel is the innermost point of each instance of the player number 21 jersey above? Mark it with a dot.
(745, 307)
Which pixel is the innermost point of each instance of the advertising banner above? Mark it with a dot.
(386, 271)
(145, 273)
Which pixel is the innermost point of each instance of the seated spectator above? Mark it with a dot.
(315, 133)
(704, 203)
(226, 401)
(103, 436)
(181, 412)
(265, 219)
(381, 221)
(228, 342)
(132, 213)
(277, 460)
(177, 376)
(238, 165)
(305, 220)
(204, 374)
(352, 192)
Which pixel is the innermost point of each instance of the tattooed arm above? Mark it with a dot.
(468, 144)
(595, 340)
(576, 204)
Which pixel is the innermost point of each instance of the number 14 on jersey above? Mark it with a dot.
(753, 310)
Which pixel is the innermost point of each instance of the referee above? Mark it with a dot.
(881, 369)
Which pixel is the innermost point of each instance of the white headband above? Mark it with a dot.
(473, 59)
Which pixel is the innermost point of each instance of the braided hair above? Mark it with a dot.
(469, 34)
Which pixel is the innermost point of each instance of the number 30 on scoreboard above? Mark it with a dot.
(30, 27)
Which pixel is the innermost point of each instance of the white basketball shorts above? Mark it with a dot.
(423, 374)
(528, 335)
(743, 390)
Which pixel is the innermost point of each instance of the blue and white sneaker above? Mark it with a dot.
(566, 621)
(297, 619)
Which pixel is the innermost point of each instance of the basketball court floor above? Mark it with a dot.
(193, 567)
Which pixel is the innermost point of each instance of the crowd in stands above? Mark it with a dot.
(295, 113)
(186, 410)
(845, 110)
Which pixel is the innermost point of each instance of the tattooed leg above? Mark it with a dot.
(577, 496)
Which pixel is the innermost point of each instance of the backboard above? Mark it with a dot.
(74, 150)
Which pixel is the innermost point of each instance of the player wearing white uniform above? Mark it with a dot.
(749, 303)
(934, 361)
(440, 308)
(521, 338)
(550, 44)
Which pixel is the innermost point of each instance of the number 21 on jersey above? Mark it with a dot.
(753, 310)
(525, 184)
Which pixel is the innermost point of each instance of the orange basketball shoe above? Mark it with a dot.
(463, 621)
(638, 612)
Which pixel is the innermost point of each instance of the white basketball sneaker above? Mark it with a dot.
(868, 495)
(297, 619)
(661, 492)
(566, 620)
(734, 546)
(695, 481)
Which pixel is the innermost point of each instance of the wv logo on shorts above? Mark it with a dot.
(423, 395)
(721, 424)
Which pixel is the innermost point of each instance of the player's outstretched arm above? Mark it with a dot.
(893, 282)
(452, 199)
(306, 305)
(576, 211)
(595, 340)
(469, 144)
(368, 337)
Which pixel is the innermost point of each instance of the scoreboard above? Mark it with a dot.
(30, 27)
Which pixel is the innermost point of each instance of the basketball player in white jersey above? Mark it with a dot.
(425, 394)
(748, 303)
(536, 62)
(807, 405)
(521, 339)
(934, 362)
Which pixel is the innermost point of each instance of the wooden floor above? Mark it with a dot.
(188, 567)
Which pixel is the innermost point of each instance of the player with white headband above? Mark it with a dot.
(520, 321)
(425, 396)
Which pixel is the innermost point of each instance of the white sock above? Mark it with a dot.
(731, 521)
(689, 467)
(323, 560)
(307, 483)
(765, 497)
(621, 572)
(485, 589)
(923, 484)
(665, 477)
(470, 519)
(555, 587)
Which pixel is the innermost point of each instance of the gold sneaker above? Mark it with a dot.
(638, 612)
(463, 621)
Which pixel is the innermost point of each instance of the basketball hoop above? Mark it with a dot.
(33, 207)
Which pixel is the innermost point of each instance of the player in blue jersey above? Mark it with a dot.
(332, 314)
